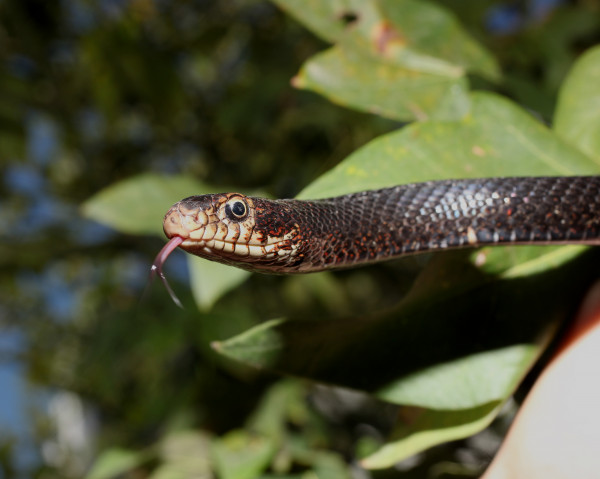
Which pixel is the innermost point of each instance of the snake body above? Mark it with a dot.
(296, 236)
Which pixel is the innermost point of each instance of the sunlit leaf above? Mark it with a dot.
(420, 429)
(519, 261)
(577, 118)
(497, 138)
(210, 280)
(330, 20)
(403, 60)
(185, 454)
(362, 81)
(432, 30)
(242, 455)
(331, 466)
(137, 205)
(398, 31)
(465, 382)
(115, 462)
(272, 414)
(254, 346)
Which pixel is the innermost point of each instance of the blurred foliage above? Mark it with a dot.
(96, 92)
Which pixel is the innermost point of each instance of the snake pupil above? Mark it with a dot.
(237, 209)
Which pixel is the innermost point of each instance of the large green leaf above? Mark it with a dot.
(241, 455)
(577, 118)
(277, 408)
(404, 60)
(397, 30)
(116, 462)
(497, 138)
(210, 280)
(434, 31)
(353, 78)
(185, 454)
(422, 428)
(331, 20)
(137, 205)
(464, 382)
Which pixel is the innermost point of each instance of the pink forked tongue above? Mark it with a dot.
(158, 264)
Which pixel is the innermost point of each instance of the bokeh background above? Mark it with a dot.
(93, 92)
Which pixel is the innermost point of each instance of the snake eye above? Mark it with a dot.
(236, 209)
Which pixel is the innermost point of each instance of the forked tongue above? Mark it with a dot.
(156, 268)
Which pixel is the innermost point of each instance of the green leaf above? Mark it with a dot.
(331, 20)
(272, 414)
(113, 463)
(210, 280)
(423, 428)
(464, 382)
(399, 31)
(324, 464)
(403, 60)
(351, 77)
(497, 138)
(434, 31)
(255, 345)
(577, 117)
(185, 454)
(331, 466)
(137, 205)
(518, 261)
(240, 455)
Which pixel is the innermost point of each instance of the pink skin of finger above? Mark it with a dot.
(159, 261)
(556, 434)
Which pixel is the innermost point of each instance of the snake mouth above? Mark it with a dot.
(221, 247)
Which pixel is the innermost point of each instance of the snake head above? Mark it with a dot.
(234, 229)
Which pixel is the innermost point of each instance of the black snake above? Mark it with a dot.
(296, 236)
